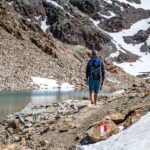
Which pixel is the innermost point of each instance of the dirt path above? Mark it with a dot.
(68, 140)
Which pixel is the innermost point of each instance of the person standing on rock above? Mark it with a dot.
(95, 74)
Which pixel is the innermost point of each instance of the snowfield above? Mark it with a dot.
(136, 137)
(51, 84)
(141, 65)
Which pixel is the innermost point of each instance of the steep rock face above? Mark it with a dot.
(65, 21)
(87, 6)
(81, 22)
(73, 28)
(29, 8)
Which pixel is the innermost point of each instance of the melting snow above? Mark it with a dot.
(142, 65)
(135, 68)
(108, 1)
(112, 80)
(148, 41)
(10, 3)
(118, 37)
(37, 17)
(108, 17)
(145, 4)
(54, 3)
(51, 84)
(115, 54)
(44, 26)
(136, 137)
(95, 22)
(29, 20)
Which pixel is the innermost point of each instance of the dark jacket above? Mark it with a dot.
(102, 69)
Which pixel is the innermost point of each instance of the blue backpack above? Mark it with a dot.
(95, 69)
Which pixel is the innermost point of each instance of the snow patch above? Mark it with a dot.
(108, 1)
(136, 137)
(44, 26)
(142, 65)
(148, 41)
(113, 80)
(110, 16)
(135, 68)
(10, 3)
(95, 22)
(118, 37)
(37, 17)
(51, 84)
(65, 86)
(29, 20)
(54, 3)
(70, 15)
(145, 4)
(115, 54)
(121, 8)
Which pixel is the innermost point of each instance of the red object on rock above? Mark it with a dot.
(105, 127)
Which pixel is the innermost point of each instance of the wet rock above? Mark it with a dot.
(85, 98)
(55, 104)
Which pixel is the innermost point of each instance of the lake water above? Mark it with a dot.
(11, 102)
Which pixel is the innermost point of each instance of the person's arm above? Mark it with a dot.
(87, 72)
(103, 73)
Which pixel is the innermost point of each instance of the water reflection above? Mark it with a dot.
(11, 102)
(45, 97)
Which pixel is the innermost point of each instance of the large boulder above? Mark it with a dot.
(102, 130)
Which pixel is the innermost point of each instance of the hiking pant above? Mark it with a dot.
(94, 86)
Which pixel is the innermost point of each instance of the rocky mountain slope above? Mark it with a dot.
(26, 52)
(96, 24)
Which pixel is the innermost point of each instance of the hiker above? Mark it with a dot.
(95, 75)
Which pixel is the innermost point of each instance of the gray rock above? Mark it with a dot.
(16, 138)
(10, 130)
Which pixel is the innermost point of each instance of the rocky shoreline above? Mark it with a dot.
(63, 125)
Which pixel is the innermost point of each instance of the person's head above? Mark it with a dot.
(94, 53)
